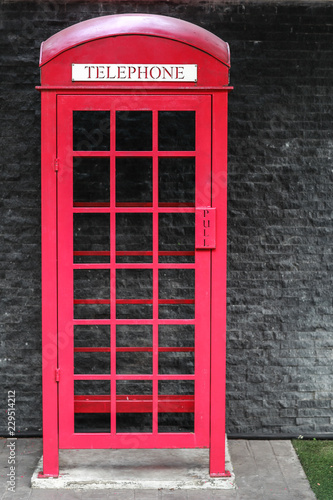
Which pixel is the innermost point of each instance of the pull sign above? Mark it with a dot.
(205, 218)
(134, 72)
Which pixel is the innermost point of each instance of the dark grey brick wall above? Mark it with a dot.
(280, 322)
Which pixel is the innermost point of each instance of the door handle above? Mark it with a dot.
(205, 228)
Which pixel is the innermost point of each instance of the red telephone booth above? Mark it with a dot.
(134, 162)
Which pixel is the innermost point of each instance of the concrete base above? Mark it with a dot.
(135, 469)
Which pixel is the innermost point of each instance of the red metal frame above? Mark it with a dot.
(218, 288)
(162, 27)
(67, 437)
(208, 97)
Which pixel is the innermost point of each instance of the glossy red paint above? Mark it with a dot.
(134, 39)
(122, 39)
(148, 25)
(67, 436)
(134, 404)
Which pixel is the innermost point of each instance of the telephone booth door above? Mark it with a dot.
(134, 292)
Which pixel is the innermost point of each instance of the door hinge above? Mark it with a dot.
(56, 164)
(205, 226)
(57, 374)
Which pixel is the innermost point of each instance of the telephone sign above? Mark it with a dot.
(134, 72)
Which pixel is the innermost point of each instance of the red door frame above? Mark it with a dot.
(50, 283)
(147, 39)
(67, 438)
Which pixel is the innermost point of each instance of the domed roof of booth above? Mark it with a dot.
(135, 24)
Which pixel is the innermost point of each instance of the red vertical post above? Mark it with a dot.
(155, 216)
(49, 287)
(113, 260)
(218, 295)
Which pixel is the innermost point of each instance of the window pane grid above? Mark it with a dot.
(157, 150)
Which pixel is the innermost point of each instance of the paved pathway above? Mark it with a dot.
(265, 470)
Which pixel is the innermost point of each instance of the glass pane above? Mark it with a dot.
(134, 406)
(176, 387)
(171, 363)
(134, 181)
(176, 293)
(176, 237)
(175, 421)
(89, 363)
(176, 336)
(176, 181)
(92, 422)
(91, 238)
(176, 130)
(92, 406)
(91, 336)
(129, 338)
(91, 293)
(134, 422)
(134, 336)
(134, 387)
(134, 237)
(91, 181)
(134, 290)
(91, 130)
(89, 387)
(134, 130)
(176, 349)
(134, 363)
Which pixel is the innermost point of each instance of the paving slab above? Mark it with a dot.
(268, 470)
(254, 479)
(169, 469)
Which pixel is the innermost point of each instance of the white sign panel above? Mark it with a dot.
(134, 72)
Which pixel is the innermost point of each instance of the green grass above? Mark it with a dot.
(317, 460)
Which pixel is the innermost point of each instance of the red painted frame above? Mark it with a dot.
(67, 437)
(178, 45)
